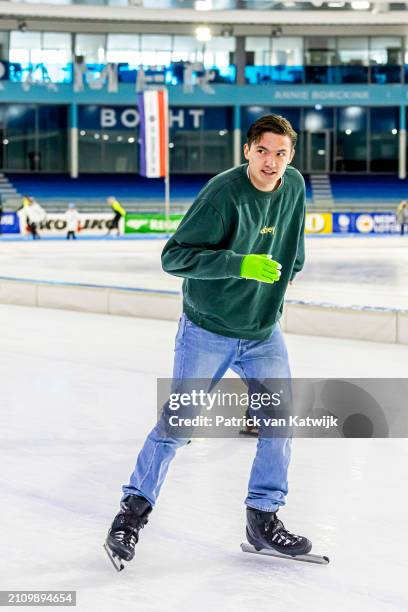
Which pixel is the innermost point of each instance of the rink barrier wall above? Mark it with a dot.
(299, 317)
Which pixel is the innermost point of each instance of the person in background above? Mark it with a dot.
(72, 219)
(119, 213)
(34, 214)
(402, 215)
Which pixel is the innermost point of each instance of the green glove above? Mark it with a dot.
(260, 268)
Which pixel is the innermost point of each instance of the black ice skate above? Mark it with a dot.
(124, 532)
(267, 535)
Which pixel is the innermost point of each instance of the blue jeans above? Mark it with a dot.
(205, 355)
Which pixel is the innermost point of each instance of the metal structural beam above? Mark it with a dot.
(239, 17)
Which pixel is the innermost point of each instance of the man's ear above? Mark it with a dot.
(246, 151)
(292, 155)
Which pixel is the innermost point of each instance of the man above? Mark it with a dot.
(402, 215)
(238, 247)
(72, 221)
(119, 213)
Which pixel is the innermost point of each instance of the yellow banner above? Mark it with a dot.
(319, 223)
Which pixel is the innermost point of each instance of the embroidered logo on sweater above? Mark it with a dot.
(268, 230)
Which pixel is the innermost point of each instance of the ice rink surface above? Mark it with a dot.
(360, 270)
(78, 397)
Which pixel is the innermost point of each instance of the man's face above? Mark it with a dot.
(268, 159)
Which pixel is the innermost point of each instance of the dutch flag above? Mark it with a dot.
(154, 136)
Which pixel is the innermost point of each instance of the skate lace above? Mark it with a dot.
(127, 527)
(277, 533)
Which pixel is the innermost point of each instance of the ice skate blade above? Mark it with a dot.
(115, 560)
(308, 558)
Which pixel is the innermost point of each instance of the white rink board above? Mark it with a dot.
(351, 287)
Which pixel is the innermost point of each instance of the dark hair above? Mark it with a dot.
(271, 123)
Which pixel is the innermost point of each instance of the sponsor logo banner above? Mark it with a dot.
(142, 224)
(90, 224)
(10, 223)
(319, 223)
(365, 223)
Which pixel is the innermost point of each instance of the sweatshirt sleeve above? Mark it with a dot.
(195, 250)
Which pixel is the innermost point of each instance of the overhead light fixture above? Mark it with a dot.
(203, 5)
(336, 4)
(360, 5)
(203, 34)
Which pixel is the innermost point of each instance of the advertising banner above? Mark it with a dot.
(143, 224)
(9, 223)
(319, 223)
(365, 223)
(90, 224)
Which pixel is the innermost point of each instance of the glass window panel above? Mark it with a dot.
(92, 47)
(320, 50)
(287, 51)
(386, 50)
(185, 43)
(25, 40)
(57, 40)
(151, 42)
(133, 58)
(124, 42)
(221, 43)
(260, 46)
(353, 50)
(384, 139)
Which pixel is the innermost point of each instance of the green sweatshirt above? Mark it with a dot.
(230, 218)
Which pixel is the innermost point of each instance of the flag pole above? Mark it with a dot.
(167, 158)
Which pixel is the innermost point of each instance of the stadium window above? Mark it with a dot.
(92, 47)
(384, 125)
(385, 59)
(23, 45)
(124, 48)
(353, 57)
(321, 60)
(184, 49)
(218, 52)
(156, 50)
(352, 139)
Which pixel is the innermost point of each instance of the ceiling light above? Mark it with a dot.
(360, 5)
(203, 34)
(348, 131)
(203, 5)
(394, 131)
